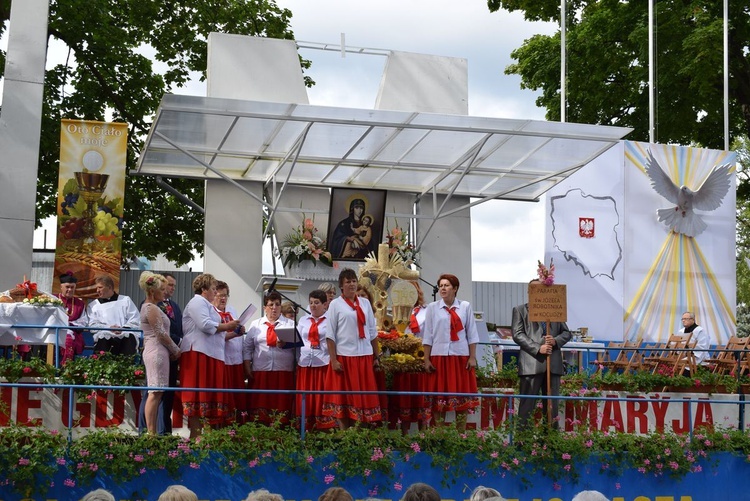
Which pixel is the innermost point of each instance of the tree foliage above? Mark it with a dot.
(113, 47)
(607, 60)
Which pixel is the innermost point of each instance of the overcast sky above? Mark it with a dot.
(508, 237)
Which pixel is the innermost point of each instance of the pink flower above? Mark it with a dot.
(23, 462)
(195, 466)
(69, 482)
(253, 463)
(329, 479)
(415, 447)
(307, 235)
(309, 224)
(138, 372)
(566, 455)
(367, 472)
(397, 486)
(26, 370)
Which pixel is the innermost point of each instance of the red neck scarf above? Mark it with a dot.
(413, 324)
(456, 324)
(360, 315)
(271, 338)
(314, 334)
(226, 317)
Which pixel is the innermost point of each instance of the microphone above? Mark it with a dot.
(273, 284)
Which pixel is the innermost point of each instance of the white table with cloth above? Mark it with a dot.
(15, 315)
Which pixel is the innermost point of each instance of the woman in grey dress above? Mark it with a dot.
(158, 347)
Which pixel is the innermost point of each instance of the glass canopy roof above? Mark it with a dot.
(420, 153)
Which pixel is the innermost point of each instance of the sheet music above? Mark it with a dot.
(287, 334)
(247, 314)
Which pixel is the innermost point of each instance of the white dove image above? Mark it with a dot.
(682, 219)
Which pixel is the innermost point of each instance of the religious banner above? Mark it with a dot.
(662, 224)
(90, 202)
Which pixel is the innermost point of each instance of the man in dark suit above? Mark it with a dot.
(174, 313)
(536, 346)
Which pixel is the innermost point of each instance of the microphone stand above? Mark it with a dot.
(297, 340)
(434, 288)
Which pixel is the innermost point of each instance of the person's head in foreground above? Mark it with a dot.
(336, 494)
(483, 493)
(263, 495)
(178, 493)
(98, 495)
(420, 492)
(590, 496)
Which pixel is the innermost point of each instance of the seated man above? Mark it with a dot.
(700, 336)
(115, 311)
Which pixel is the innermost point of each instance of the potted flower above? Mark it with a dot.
(304, 244)
(103, 368)
(13, 368)
(505, 377)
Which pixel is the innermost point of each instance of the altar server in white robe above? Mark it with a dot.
(115, 311)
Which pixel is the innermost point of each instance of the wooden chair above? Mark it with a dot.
(672, 357)
(627, 360)
(727, 357)
(605, 360)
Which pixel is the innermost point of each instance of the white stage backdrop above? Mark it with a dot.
(630, 276)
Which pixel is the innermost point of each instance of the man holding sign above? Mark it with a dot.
(540, 331)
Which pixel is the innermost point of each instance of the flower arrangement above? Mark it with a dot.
(43, 300)
(546, 275)
(303, 244)
(398, 243)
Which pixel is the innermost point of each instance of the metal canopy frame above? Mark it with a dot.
(319, 146)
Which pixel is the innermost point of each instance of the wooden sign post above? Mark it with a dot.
(548, 303)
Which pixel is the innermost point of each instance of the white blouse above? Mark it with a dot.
(437, 329)
(309, 356)
(266, 358)
(199, 323)
(343, 328)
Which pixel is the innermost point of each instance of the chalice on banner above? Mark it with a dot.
(91, 186)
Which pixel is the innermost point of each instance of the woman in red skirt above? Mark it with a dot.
(202, 361)
(267, 365)
(450, 352)
(313, 362)
(355, 354)
(235, 371)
